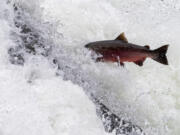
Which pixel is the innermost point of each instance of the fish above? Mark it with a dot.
(120, 50)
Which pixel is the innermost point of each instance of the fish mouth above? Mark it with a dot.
(87, 46)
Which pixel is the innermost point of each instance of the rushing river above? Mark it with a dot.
(39, 97)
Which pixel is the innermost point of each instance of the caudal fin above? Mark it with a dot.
(160, 55)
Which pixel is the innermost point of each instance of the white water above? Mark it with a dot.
(148, 96)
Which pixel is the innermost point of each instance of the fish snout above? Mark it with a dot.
(87, 46)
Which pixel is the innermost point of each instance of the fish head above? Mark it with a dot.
(90, 46)
(87, 46)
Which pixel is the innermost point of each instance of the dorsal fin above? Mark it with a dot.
(147, 46)
(122, 37)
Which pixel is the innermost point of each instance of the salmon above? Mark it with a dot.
(120, 50)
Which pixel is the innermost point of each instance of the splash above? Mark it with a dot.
(146, 96)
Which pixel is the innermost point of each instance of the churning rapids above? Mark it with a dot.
(49, 84)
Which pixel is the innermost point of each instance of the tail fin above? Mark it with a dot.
(161, 55)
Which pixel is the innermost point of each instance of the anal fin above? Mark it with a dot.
(140, 62)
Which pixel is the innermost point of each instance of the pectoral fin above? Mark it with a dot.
(122, 37)
(100, 59)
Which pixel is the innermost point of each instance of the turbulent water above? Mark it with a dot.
(45, 90)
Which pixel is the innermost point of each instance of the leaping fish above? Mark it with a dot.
(119, 50)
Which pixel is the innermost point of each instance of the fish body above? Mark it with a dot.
(119, 50)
